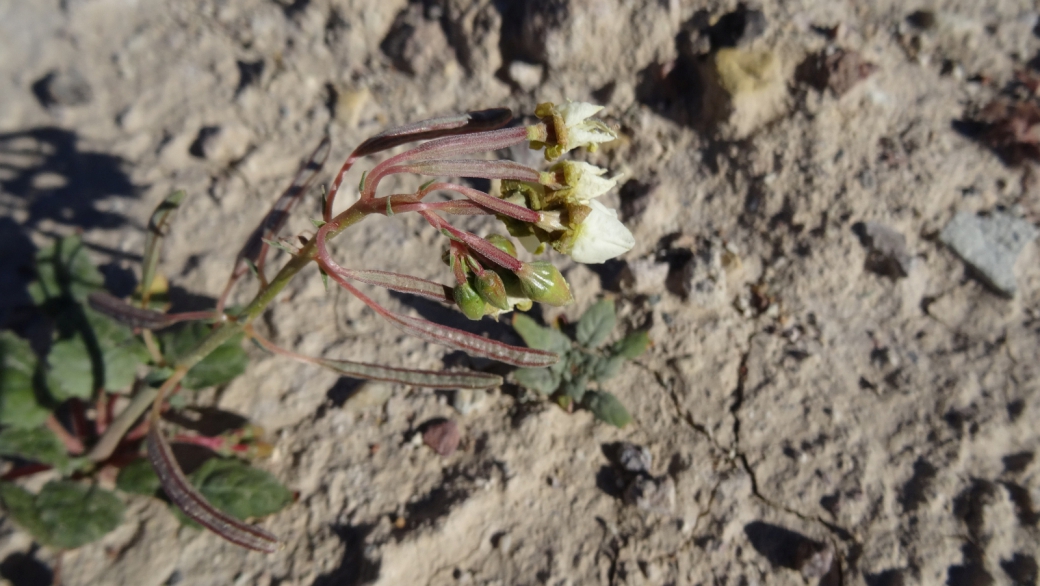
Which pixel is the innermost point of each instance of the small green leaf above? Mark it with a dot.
(279, 245)
(138, 477)
(541, 380)
(73, 514)
(63, 270)
(19, 406)
(633, 345)
(20, 504)
(324, 279)
(317, 223)
(539, 337)
(575, 387)
(605, 367)
(607, 408)
(37, 444)
(221, 366)
(595, 325)
(72, 369)
(239, 489)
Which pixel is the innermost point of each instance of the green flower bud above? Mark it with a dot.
(469, 301)
(502, 243)
(491, 289)
(542, 282)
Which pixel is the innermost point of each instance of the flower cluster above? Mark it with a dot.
(557, 207)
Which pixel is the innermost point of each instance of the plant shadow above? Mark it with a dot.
(356, 568)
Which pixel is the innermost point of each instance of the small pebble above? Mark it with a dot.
(634, 459)
(990, 245)
(656, 495)
(442, 437)
(528, 76)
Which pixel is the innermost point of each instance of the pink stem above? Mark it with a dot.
(452, 146)
(476, 243)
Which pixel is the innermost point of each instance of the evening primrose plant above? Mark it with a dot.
(135, 360)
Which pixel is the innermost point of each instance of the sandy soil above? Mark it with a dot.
(813, 416)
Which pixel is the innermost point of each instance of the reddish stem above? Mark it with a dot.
(476, 243)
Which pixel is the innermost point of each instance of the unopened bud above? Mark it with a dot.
(542, 282)
(502, 243)
(469, 301)
(491, 289)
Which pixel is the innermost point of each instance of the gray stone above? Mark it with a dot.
(63, 88)
(634, 459)
(656, 495)
(990, 245)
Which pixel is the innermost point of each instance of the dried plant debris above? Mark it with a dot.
(1012, 129)
(835, 69)
(990, 245)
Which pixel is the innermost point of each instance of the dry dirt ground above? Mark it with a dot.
(817, 409)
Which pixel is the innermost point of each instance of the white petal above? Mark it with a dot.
(575, 112)
(601, 236)
(592, 185)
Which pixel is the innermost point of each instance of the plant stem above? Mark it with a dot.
(122, 423)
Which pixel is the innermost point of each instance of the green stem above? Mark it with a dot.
(110, 439)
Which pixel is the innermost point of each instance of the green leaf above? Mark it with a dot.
(19, 406)
(605, 367)
(73, 514)
(138, 477)
(221, 366)
(633, 345)
(595, 325)
(541, 380)
(607, 408)
(574, 388)
(539, 337)
(38, 445)
(63, 270)
(101, 354)
(72, 369)
(239, 489)
(20, 504)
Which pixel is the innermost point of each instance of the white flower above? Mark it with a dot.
(570, 126)
(600, 237)
(583, 182)
(580, 130)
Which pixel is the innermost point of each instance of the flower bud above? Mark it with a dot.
(469, 301)
(542, 282)
(491, 289)
(502, 243)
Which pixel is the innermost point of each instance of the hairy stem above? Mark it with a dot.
(122, 423)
